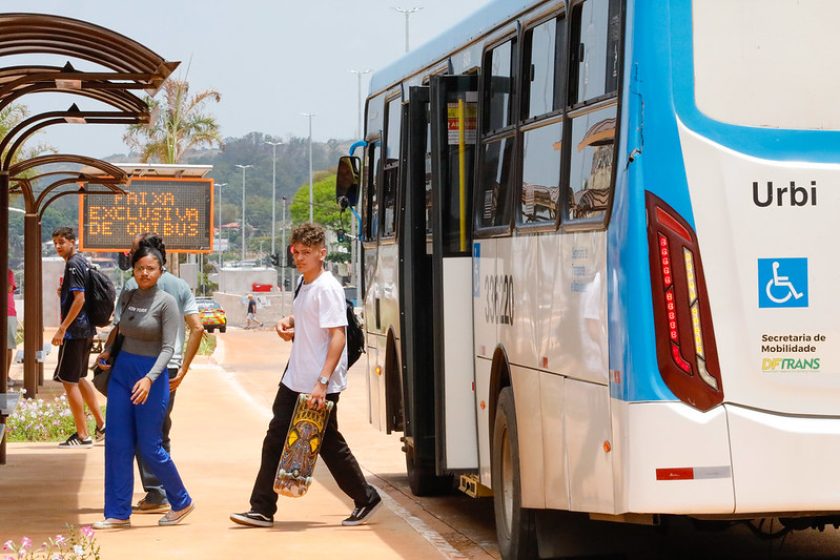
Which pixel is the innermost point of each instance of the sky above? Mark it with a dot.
(271, 60)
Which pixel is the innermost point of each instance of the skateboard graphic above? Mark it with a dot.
(300, 452)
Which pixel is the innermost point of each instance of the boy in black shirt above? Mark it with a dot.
(73, 338)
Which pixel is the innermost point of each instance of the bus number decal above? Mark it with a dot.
(499, 299)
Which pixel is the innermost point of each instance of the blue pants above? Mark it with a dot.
(137, 428)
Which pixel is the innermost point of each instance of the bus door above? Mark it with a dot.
(417, 318)
(453, 112)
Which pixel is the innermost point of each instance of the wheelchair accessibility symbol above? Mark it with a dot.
(783, 282)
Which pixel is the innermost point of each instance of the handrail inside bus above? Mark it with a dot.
(357, 144)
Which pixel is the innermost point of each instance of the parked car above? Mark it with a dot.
(212, 315)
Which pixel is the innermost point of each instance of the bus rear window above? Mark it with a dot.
(745, 75)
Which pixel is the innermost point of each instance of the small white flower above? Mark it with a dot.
(78, 550)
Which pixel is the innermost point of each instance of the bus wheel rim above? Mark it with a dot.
(507, 482)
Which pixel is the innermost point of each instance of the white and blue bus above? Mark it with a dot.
(597, 274)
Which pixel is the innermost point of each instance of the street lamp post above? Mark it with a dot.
(359, 74)
(407, 12)
(221, 252)
(284, 263)
(243, 168)
(273, 190)
(311, 199)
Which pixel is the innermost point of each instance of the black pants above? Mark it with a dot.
(151, 484)
(334, 451)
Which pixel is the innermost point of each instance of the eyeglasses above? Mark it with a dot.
(148, 269)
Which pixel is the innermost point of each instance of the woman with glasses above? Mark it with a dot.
(138, 395)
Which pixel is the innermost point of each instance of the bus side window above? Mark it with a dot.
(539, 189)
(538, 74)
(371, 215)
(590, 134)
(594, 54)
(498, 71)
(391, 177)
(492, 201)
(591, 164)
(539, 196)
(496, 164)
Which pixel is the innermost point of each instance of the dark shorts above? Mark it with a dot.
(73, 358)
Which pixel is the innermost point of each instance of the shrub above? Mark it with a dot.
(42, 420)
(78, 544)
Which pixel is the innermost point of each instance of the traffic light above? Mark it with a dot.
(341, 235)
(275, 259)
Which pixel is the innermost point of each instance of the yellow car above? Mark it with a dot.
(212, 315)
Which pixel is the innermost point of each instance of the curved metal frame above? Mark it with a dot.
(21, 80)
(59, 117)
(22, 33)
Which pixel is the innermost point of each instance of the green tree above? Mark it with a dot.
(326, 210)
(179, 124)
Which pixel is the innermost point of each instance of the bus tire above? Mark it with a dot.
(422, 478)
(515, 525)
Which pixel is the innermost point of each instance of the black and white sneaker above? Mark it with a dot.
(99, 434)
(252, 519)
(363, 514)
(74, 442)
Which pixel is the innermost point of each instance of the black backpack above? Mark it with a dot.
(355, 336)
(100, 296)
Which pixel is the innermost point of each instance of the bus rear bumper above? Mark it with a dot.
(784, 463)
(728, 461)
(671, 458)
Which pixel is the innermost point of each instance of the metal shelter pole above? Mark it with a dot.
(33, 339)
(4, 288)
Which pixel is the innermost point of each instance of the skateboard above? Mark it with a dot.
(300, 452)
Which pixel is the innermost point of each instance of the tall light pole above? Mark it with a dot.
(359, 74)
(284, 263)
(221, 252)
(243, 168)
(407, 12)
(311, 200)
(273, 188)
(219, 204)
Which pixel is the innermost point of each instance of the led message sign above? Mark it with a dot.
(180, 210)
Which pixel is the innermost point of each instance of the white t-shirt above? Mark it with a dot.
(317, 307)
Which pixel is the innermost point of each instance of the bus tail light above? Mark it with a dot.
(685, 338)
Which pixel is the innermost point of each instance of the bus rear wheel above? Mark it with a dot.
(515, 525)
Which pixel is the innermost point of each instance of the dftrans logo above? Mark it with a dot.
(790, 364)
(783, 282)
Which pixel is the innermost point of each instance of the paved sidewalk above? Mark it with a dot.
(217, 436)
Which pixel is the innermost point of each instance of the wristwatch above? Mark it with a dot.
(324, 380)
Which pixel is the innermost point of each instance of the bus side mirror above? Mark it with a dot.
(347, 181)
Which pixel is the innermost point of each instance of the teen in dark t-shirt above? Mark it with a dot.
(73, 338)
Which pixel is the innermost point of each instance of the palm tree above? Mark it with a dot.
(178, 125)
(10, 117)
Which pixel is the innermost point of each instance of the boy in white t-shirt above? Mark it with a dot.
(318, 366)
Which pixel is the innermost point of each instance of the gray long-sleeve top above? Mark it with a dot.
(149, 323)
